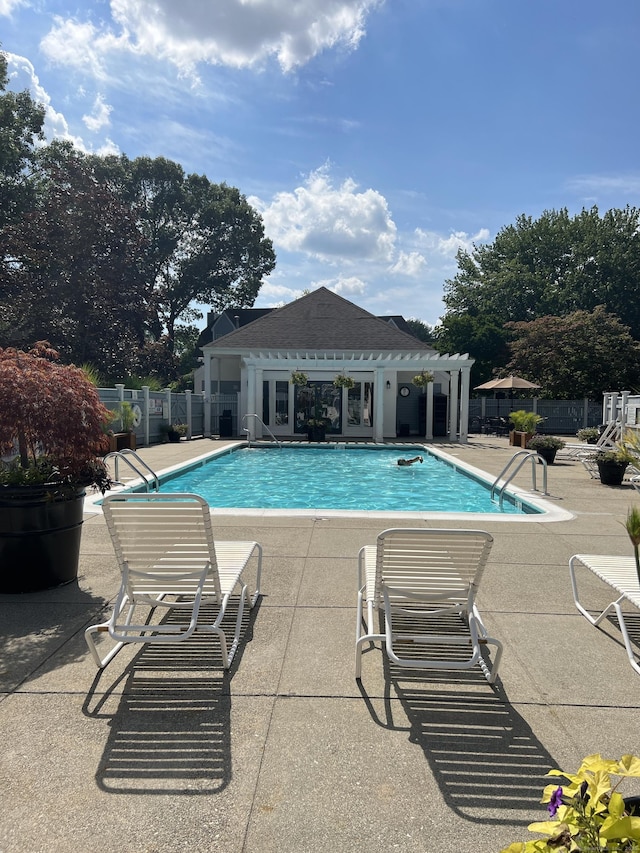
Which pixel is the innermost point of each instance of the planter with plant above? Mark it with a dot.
(315, 421)
(344, 381)
(523, 427)
(52, 435)
(588, 813)
(589, 434)
(546, 446)
(422, 379)
(173, 432)
(124, 418)
(317, 429)
(612, 464)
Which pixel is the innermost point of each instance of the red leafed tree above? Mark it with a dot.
(51, 412)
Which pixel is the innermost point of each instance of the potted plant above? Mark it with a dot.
(612, 464)
(422, 379)
(173, 432)
(344, 381)
(298, 378)
(587, 813)
(125, 437)
(52, 435)
(524, 426)
(546, 446)
(317, 428)
(589, 434)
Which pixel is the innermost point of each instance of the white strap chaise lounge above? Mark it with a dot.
(619, 573)
(168, 558)
(423, 584)
(607, 439)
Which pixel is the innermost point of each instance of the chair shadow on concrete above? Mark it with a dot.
(169, 716)
(485, 758)
(632, 621)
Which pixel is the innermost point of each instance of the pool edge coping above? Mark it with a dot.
(548, 512)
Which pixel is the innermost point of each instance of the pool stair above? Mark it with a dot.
(139, 467)
(523, 455)
(249, 431)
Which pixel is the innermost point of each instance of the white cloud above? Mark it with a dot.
(594, 185)
(242, 33)
(409, 263)
(330, 223)
(100, 115)
(23, 76)
(236, 33)
(448, 247)
(7, 6)
(80, 45)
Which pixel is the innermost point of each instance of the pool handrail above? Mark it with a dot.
(118, 455)
(259, 419)
(526, 454)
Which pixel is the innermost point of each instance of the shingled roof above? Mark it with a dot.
(320, 320)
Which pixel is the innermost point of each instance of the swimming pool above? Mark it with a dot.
(345, 479)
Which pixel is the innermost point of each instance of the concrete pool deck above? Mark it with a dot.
(163, 751)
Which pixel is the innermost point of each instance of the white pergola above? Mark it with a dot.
(381, 368)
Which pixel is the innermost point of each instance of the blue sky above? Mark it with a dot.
(375, 137)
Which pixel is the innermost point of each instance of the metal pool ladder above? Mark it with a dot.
(140, 467)
(260, 421)
(525, 454)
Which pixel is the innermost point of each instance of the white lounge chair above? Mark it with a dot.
(165, 548)
(607, 440)
(417, 579)
(621, 574)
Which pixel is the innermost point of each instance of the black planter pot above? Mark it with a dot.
(39, 538)
(611, 473)
(173, 437)
(317, 433)
(548, 454)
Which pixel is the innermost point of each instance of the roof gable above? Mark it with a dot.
(320, 320)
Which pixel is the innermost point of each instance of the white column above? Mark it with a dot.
(453, 404)
(429, 432)
(207, 394)
(187, 397)
(465, 377)
(624, 406)
(259, 401)
(250, 407)
(145, 397)
(378, 417)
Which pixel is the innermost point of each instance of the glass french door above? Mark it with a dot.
(318, 400)
(360, 407)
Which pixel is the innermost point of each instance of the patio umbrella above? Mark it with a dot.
(508, 383)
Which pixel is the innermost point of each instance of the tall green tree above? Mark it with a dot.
(206, 243)
(553, 265)
(483, 338)
(579, 355)
(75, 278)
(421, 330)
(21, 121)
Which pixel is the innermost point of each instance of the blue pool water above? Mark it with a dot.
(339, 478)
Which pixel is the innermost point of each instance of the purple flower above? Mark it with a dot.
(555, 802)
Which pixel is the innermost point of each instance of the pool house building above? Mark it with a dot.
(323, 357)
